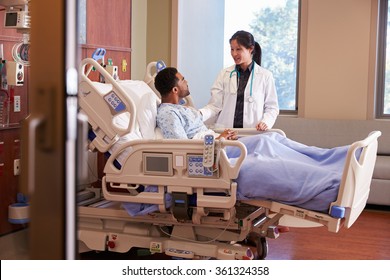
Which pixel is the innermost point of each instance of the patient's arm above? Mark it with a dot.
(228, 134)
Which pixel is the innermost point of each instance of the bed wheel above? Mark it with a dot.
(262, 248)
(258, 242)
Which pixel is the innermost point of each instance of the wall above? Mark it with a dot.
(108, 26)
(138, 39)
(151, 34)
(158, 42)
(336, 78)
(337, 56)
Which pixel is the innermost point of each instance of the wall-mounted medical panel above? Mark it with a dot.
(9, 183)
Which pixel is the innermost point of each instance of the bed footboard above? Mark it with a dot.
(356, 180)
(352, 196)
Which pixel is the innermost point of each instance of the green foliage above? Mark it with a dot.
(276, 30)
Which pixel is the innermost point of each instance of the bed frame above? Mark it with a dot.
(216, 226)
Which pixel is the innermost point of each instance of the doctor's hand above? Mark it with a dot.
(228, 134)
(261, 126)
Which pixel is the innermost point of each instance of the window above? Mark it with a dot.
(383, 77)
(201, 39)
(274, 24)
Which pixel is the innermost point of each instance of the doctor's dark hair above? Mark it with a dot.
(246, 40)
(166, 80)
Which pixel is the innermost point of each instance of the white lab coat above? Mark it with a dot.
(221, 107)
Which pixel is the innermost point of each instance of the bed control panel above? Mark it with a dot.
(208, 151)
(115, 102)
(196, 168)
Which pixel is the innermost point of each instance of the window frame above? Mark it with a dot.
(381, 60)
(299, 32)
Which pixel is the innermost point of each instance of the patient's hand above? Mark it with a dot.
(261, 126)
(228, 134)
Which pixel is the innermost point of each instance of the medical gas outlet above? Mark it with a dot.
(16, 167)
(16, 103)
(113, 71)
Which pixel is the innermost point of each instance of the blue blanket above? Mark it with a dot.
(280, 169)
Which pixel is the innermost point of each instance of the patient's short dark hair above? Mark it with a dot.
(166, 80)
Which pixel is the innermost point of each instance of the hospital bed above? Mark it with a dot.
(193, 212)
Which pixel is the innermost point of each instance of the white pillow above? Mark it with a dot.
(146, 102)
(147, 115)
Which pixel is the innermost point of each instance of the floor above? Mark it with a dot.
(367, 239)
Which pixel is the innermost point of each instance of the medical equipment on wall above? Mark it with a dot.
(17, 16)
(15, 73)
(112, 69)
(17, 19)
(234, 86)
(4, 95)
(203, 217)
(99, 54)
(124, 65)
(4, 108)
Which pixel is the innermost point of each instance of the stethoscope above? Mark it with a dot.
(233, 90)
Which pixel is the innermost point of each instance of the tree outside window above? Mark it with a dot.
(276, 29)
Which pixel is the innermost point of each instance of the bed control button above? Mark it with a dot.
(179, 253)
(208, 150)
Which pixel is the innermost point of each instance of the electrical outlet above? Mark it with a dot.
(17, 103)
(17, 167)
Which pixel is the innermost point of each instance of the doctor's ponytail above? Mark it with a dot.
(257, 53)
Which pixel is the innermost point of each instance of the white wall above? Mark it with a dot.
(200, 45)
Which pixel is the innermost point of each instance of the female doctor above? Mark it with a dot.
(243, 95)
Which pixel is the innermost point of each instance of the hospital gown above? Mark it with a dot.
(276, 168)
(180, 122)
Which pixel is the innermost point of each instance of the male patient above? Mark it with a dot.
(177, 121)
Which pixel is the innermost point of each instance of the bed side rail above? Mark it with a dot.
(102, 104)
(251, 131)
(177, 179)
(356, 180)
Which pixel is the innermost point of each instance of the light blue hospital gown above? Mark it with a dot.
(179, 122)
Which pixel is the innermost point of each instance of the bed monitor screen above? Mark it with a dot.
(158, 164)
